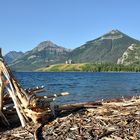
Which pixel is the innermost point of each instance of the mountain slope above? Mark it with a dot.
(130, 56)
(107, 48)
(12, 56)
(44, 54)
(113, 47)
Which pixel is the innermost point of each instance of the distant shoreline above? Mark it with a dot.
(90, 67)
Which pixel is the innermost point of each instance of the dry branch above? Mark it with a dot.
(28, 106)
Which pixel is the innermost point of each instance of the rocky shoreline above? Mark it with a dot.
(116, 119)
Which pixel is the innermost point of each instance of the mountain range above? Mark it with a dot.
(44, 54)
(112, 47)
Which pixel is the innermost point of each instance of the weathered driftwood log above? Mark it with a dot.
(14, 90)
(57, 95)
(79, 105)
(1, 91)
(35, 90)
(26, 103)
(21, 117)
(20, 98)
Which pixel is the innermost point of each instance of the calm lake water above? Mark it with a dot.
(83, 86)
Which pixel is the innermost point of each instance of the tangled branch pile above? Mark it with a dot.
(117, 119)
(113, 120)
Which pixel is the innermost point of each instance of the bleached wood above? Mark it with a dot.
(21, 117)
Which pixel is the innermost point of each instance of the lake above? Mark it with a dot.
(83, 86)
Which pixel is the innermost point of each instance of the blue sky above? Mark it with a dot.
(68, 23)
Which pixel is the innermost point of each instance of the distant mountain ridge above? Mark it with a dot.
(12, 56)
(113, 47)
(44, 54)
(105, 49)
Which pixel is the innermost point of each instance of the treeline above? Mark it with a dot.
(91, 67)
(107, 67)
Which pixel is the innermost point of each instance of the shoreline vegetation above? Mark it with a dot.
(90, 67)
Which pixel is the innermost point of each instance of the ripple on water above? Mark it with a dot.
(83, 86)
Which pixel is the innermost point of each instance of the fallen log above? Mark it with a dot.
(57, 95)
(35, 90)
(79, 105)
(1, 91)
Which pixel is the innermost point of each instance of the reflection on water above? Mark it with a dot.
(83, 86)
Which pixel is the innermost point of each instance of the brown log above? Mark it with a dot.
(1, 91)
(37, 91)
(79, 105)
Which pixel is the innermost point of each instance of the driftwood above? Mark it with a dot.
(104, 120)
(28, 106)
(79, 105)
(110, 120)
(1, 92)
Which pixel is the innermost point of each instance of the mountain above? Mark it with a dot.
(12, 56)
(113, 47)
(131, 55)
(105, 49)
(44, 54)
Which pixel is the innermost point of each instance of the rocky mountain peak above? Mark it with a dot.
(113, 34)
(104, 49)
(114, 31)
(43, 45)
(47, 45)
